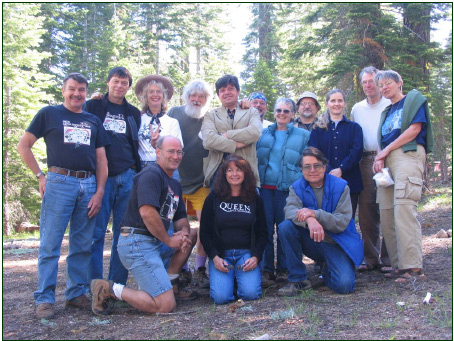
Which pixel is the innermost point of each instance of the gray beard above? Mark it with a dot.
(193, 111)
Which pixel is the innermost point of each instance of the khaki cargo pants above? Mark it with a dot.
(398, 204)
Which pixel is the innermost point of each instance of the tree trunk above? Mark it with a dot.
(7, 228)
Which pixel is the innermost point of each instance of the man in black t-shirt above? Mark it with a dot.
(155, 201)
(120, 119)
(75, 142)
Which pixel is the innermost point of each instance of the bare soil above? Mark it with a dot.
(378, 309)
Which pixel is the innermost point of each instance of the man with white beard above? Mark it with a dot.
(197, 96)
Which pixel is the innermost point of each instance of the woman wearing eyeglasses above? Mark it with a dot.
(278, 151)
(404, 137)
(154, 92)
(341, 141)
(319, 224)
(233, 232)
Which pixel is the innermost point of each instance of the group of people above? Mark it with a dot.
(243, 177)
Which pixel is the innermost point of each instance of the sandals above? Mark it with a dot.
(368, 267)
(410, 276)
(386, 269)
(404, 276)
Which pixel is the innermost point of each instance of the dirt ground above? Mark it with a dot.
(378, 309)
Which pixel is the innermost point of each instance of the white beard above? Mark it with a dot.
(194, 111)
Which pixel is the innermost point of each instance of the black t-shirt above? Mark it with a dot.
(235, 221)
(152, 186)
(120, 153)
(71, 138)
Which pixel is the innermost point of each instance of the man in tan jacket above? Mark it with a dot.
(229, 129)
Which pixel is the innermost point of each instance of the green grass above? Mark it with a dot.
(22, 235)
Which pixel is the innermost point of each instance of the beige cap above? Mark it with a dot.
(308, 94)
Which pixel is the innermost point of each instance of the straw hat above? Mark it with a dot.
(157, 78)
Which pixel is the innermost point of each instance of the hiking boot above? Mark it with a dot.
(200, 278)
(294, 288)
(80, 302)
(268, 279)
(183, 292)
(44, 311)
(281, 275)
(103, 296)
(185, 277)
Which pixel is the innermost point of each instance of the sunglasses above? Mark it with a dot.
(286, 111)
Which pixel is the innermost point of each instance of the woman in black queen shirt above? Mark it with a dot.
(233, 232)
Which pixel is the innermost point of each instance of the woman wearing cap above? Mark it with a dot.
(341, 141)
(278, 152)
(404, 137)
(154, 92)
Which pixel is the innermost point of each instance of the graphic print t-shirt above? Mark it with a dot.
(71, 138)
(391, 128)
(152, 186)
(235, 221)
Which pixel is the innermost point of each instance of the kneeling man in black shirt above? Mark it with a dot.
(155, 201)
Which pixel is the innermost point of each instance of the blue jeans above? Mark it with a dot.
(221, 283)
(115, 200)
(338, 270)
(274, 201)
(65, 200)
(144, 256)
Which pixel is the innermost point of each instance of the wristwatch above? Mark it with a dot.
(39, 174)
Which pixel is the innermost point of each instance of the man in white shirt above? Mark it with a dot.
(367, 114)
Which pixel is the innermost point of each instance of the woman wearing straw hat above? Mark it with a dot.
(154, 92)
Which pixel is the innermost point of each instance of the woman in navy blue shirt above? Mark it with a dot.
(341, 141)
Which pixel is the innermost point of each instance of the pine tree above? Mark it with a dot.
(23, 94)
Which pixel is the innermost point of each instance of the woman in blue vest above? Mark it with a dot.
(404, 137)
(341, 141)
(319, 224)
(278, 151)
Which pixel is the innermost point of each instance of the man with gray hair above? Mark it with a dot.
(367, 114)
(259, 102)
(197, 96)
(307, 107)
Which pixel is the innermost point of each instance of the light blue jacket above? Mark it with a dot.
(295, 142)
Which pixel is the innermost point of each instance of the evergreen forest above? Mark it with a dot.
(288, 48)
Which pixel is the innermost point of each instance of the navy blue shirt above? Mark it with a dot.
(342, 145)
(71, 138)
(391, 128)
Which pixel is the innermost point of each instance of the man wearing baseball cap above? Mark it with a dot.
(308, 107)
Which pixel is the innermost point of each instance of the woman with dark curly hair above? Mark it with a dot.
(233, 232)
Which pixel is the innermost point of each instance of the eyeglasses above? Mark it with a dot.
(310, 104)
(286, 111)
(317, 167)
(173, 151)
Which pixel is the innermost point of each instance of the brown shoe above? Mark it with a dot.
(281, 275)
(44, 311)
(103, 296)
(81, 302)
(268, 279)
(183, 292)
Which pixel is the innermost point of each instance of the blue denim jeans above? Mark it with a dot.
(144, 256)
(221, 283)
(65, 200)
(115, 201)
(338, 270)
(274, 201)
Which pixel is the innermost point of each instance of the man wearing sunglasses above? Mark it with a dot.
(307, 107)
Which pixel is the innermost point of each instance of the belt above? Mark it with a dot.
(134, 230)
(77, 174)
(369, 153)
